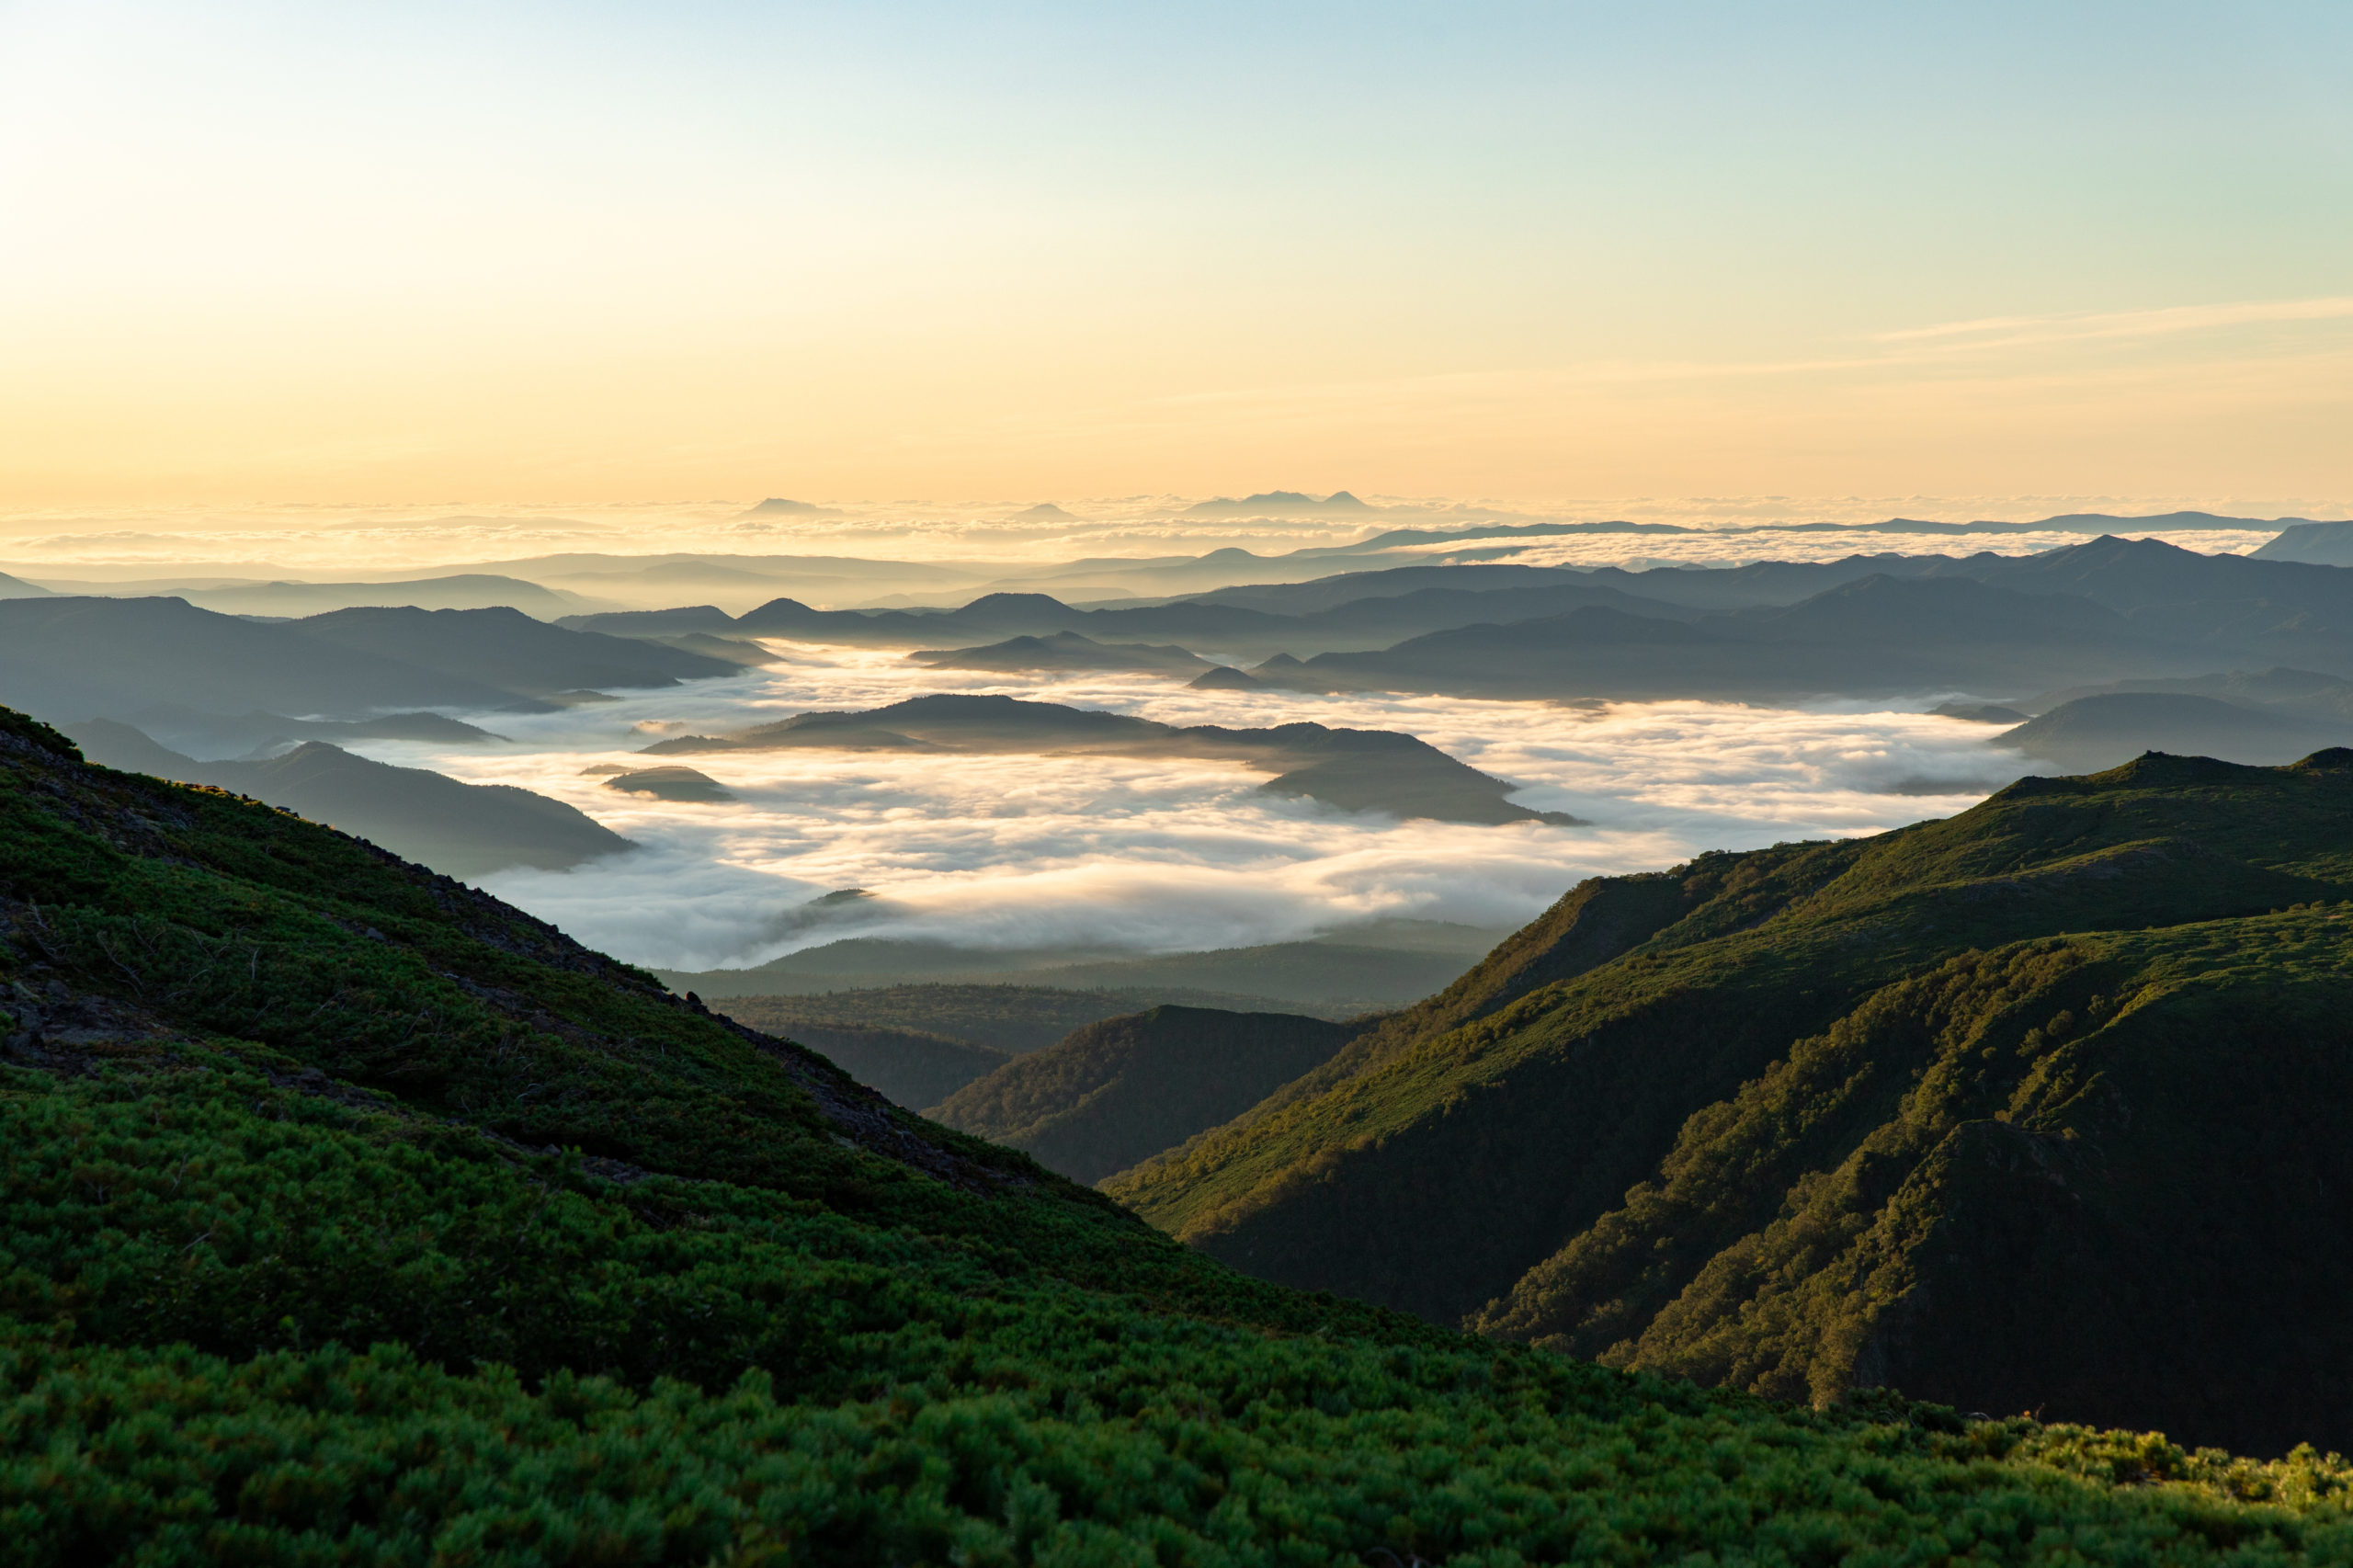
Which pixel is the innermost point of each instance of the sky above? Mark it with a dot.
(508, 254)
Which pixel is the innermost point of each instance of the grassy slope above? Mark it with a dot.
(1436, 1176)
(269, 1098)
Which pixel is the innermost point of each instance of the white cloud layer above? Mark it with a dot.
(1162, 855)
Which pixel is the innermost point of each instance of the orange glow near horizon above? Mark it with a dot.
(272, 256)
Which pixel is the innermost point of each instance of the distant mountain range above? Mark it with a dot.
(2107, 610)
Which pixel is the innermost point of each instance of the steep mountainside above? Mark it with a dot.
(1435, 1168)
(1124, 1090)
(349, 1216)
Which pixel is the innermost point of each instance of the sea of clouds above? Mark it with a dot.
(1155, 856)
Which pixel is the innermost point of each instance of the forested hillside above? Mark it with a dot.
(2034, 1108)
(353, 1217)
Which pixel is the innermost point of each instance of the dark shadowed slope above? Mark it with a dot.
(2132, 908)
(637, 1284)
(1117, 1092)
(1354, 769)
(459, 829)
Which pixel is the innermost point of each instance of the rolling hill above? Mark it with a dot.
(1803, 1120)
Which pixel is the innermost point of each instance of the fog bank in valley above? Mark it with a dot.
(1155, 855)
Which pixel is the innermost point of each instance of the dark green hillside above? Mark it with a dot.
(351, 1217)
(1434, 1164)
(1123, 1090)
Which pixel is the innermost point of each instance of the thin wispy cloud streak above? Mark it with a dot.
(2004, 332)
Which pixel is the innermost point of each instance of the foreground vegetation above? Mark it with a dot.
(353, 1218)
